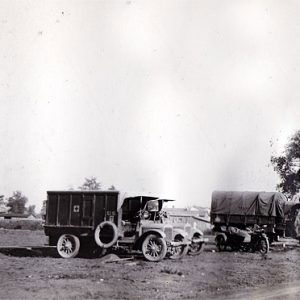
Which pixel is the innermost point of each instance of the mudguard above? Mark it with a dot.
(153, 231)
(181, 232)
(197, 231)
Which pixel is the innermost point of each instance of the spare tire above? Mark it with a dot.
(106, 234)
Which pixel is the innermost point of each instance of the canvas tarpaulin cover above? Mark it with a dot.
(269, 204)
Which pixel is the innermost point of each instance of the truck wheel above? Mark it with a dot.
(154, 248)
(196, 248)
(106, 234)
(263, 246)
(68, 245)
(180, 251)
(221, 243)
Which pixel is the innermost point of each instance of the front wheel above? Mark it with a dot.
(154, 248)
(68, 246)
(263, 246)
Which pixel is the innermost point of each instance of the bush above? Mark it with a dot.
(21, 224)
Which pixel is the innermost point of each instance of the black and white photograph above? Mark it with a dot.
(149, 149)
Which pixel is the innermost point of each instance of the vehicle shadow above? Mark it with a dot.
(51, 251)
(30, 251)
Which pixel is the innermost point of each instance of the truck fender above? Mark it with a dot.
(180, 232)
(113, 238)
(198, 231)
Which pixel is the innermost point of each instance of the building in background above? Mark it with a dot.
(197, 217)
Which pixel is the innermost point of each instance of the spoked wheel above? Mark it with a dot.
(221, 243)
(68, 245)
(179, 251)
(196, 248)
(263, 246)
(154, 248)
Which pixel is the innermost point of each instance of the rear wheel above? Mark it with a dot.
(263, 246)
(154, 248)
(68, 246)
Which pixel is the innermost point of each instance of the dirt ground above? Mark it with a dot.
(211, 275)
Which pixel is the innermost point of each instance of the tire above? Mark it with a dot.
(154, 248)
(68, 246)
(196, 248)
(180, 251)
(221, 243)
(106, 234)
(263, 246)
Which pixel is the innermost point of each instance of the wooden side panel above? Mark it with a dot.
(76, 209)
(99, 211)
(111, 208)
(87, 210)
(64, 209)
(81, 209)
(51, 209)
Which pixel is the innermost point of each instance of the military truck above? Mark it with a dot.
(256, 218)
(246, 209)
(99, 220)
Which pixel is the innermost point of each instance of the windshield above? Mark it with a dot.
(153, 206)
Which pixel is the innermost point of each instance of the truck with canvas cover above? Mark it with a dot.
(268, 209)
(93, 221)
(246, 211)
(248, 208)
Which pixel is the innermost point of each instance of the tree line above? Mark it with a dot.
(287, 165)
(17, 204)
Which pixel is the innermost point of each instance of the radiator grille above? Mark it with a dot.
(169, 233)
(187, 228)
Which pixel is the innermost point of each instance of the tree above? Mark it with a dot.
(112, 188)
(288, 166)
(17, 203)
(3, 207)
(2, 201)
(90, 184)
(43, 209)
(31, 210)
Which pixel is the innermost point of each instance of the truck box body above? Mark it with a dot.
(247, 208)
(80, 211)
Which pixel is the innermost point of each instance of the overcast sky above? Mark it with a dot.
(176, 98)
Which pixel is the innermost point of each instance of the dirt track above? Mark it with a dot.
(211, 275)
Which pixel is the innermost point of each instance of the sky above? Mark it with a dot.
(172, 98)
